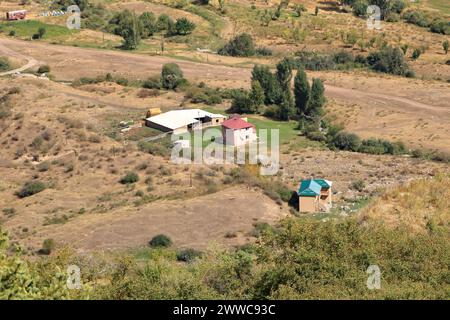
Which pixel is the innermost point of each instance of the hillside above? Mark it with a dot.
(89, 177)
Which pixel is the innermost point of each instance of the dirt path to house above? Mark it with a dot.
(418, 111)
(5, 51)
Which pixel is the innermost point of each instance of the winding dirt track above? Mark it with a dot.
(411, 101)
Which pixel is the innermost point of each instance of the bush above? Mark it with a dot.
(44, 69)
(241, 46)
(263, 51)
(171, 76)
(160, 240)
(360, 8)
(48, 245)
(388, 60)
(188, 255)
(152, 83)
(129, 178)
(345, 141)
(358, 185)
(4, 64)
(31, 188)
(183, 26)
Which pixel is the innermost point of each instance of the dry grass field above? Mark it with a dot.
(66, 136)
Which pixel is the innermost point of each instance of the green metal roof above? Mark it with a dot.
(309, 188)
(323, 183)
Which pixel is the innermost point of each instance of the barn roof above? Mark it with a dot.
(236, 123)
(175, 119)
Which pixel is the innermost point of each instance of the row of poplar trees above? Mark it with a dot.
(305, 103)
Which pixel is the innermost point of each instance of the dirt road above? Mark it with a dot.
(411, 100)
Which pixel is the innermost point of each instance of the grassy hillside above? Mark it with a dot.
(298, 259)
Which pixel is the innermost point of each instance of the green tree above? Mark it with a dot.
(240, 46)
(301, 93)
(171, 76)
(316, 100)
(257, 95)
(242, 103)
(269, 83)
(183, 26)
(148, 23)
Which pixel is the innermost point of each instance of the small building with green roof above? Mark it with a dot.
(314, 195)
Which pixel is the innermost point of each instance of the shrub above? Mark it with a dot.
(171, 76)
(48, 245)
(388, 60)
(129, 178)
(160, 240)
(183, 26)
(263, 51)
(31, 188)
(240, 46)
(152, 83)
(4, 64)
(360, 8)
(358, 185)
(44, 69)
(188, 255)
(345, 141)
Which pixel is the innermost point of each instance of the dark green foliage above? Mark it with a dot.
(380, 146)
(316, 99)
(163, 22)
(188, 255)
(388, 60)
(148, 23)
(160, 240)
(242, 103)
(129, 178)
(360, 8)
(240, 46)
(128, 26)
(31, 188)
(268, 82)
(301, 92)
(416, 54)
(345, 141)
(4, 64)
(44, 69)
(183, 26)
(152, 83)
(171, 76)
(263, 51)
(204, 94)
(257, 95)
(48, 245)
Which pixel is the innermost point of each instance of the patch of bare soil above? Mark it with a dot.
(222, 217)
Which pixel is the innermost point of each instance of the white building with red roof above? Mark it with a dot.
(237, 132)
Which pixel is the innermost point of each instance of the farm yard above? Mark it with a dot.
(89, 119)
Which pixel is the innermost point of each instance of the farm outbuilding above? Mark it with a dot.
(16, 15)
(180, 121)
(314, 195)
(237, 132)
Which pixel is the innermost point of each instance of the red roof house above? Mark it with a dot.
(236, 131)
